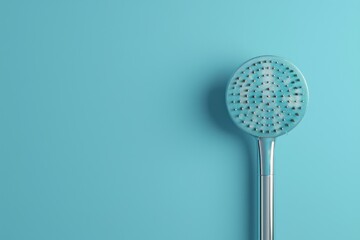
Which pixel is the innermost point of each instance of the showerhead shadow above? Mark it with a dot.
(219, 116)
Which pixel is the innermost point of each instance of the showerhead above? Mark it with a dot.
(267, 96)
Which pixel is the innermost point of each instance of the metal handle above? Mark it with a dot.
(266, 155)
(267, 208)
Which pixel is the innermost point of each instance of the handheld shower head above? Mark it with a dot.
(267, 97)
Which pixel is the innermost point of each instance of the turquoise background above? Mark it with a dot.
(113, 123)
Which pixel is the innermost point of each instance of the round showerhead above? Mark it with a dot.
(267, 96)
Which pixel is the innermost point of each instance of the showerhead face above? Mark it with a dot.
(267, 96)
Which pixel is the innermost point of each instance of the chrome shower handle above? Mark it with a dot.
(266, 157)
(267, 208)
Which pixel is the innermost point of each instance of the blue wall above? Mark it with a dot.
(113, 123)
